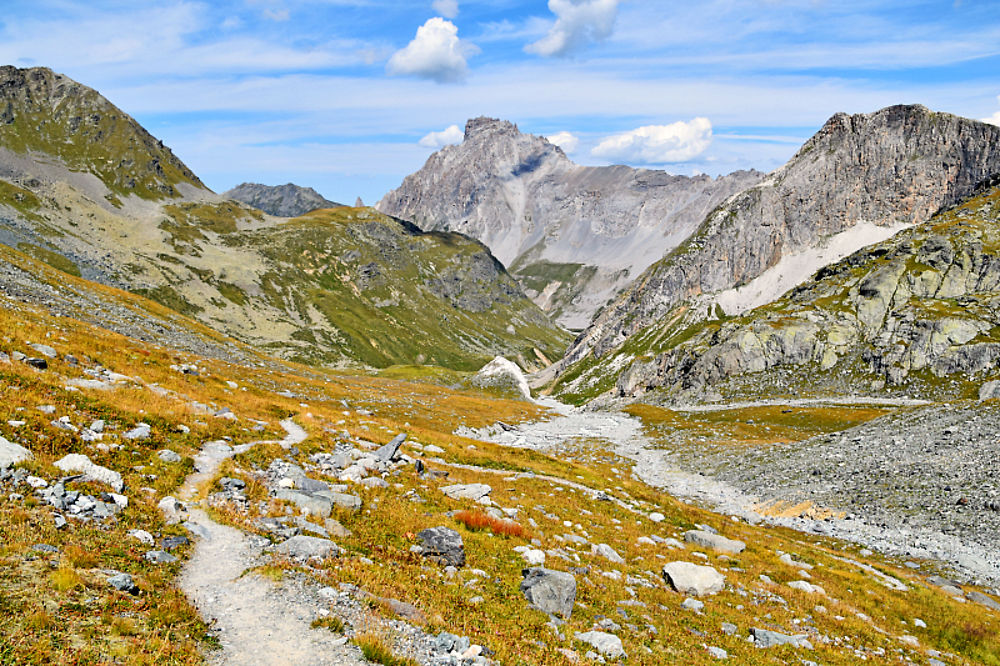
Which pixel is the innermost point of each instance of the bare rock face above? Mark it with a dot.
(288, 200)
(573, 236)
(894, 167)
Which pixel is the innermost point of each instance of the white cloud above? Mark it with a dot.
(435, 53)
(445, 137)
(995, 118)
(565, 140)
(446, 8)
(658, 144)
(578, 22)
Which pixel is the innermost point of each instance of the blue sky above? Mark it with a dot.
(349, 96)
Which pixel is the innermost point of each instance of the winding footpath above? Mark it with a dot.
(255, 620)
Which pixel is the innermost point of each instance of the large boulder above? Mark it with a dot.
(503, 375)
(472, 491)
(11, 453)
(714, 541)
(76, 462)
(552, 592)
(443, 545)
(693, 579)
(389, 451)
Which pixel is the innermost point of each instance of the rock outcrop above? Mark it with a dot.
(572, 235)
(288, 200)
(916, 315)
(889, 169)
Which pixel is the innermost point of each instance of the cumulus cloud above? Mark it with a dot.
(445, 137)
(565, 140)
(446, 8)
(995, 118)
(435, 53)
(578, 23)
(658, 144)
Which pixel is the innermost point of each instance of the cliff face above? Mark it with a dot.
(45, 112)
(916, 315)
(889, 169)
(288, 200)
(573, 236)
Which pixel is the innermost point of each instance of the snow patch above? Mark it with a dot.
(796, 267)
(503, 373)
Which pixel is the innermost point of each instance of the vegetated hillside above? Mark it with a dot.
(917, 315)
(857, 181)
(47, 115)
(288, 200)
(573, 236)
(349, 286)
(92, 564)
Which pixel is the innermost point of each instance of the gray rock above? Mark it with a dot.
(76, 462)
(306, 547)
(552, 592)
(124, 583)
(390, 450)
(44, 350)
(729, 629)
(714, 541)
(37, 363)
(173, 511)
(11, 453)
(342, 500)
(990, 390)
(764, 638)
(982, 599)
(443, 545)
(167, 455)
(717, 652)
(692, 605)
(470, 491)
(606, 644)
(159, 557)
(140, 431)
(693, 579)
(314, 505)
(607, 552)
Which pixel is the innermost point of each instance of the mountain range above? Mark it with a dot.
(87, 189)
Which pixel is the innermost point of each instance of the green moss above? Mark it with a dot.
(53, 259)
(231, 292)
(169, 297)
(20, 199)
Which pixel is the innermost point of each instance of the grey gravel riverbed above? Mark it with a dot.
(921, 484)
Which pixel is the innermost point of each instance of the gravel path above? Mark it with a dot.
(255, 620)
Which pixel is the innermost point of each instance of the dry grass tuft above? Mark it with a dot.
(477, 520)
(376, 649)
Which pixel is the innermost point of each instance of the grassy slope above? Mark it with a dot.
(74, 123)
(57, 608)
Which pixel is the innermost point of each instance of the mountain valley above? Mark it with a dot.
(263, 427)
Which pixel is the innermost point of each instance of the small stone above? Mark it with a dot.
(534, 557)
(303, 547)
(159, 557)
(11, 453)
(607, 552)
(391, 450)
(169, 456)
(173, 511)
(764, 638)
(692, 605)
(606, 644)
(657, 517)
(471, 491)
(714, 541)
(717, 652)
(76, 462)
(142, 535)
(139, 432)
(124, 583)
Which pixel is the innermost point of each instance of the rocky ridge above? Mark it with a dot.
(288, 200)
(891, 169)
(572, 235)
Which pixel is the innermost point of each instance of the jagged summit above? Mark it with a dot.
(45, 112)
(860, 179)
(573, 235)
(288, 200)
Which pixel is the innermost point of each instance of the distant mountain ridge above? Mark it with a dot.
(288, 200)
(572, 235)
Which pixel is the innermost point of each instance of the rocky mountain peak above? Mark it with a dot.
(484, 128)
(288, 200)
